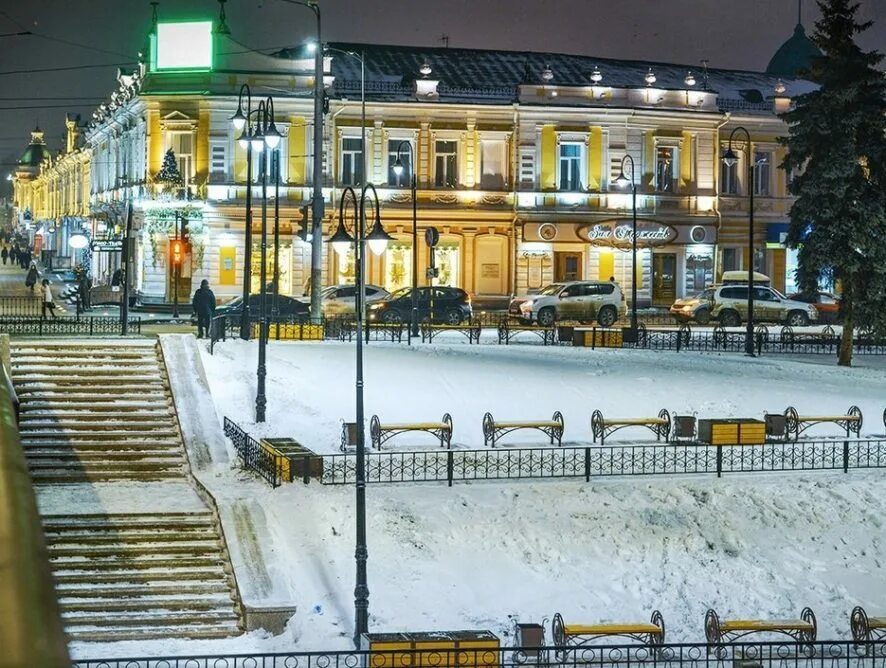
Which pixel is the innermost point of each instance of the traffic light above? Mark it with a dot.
(176, 251)
(304, 232)
(185, 235)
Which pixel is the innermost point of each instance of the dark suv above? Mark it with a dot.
(450, 306)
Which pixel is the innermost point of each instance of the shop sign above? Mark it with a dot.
(620, 233)
(107, 245)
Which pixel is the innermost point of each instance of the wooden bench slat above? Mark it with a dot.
(526, 425)
(609, 629)
(610, 422)
(765, 625)
(877, 622)
(417, 426)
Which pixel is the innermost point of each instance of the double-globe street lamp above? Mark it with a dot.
(377, 240)
(255, 136)
(398, 170)
(622, 181)
(731, 159)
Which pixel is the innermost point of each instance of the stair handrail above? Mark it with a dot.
(31, 631)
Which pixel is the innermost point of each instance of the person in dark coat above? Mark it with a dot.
(31, 278)
(4, 254)
(13, 255)
(204, 307)
(83, 290)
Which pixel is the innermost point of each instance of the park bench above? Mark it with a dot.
(720, 631)
(864, 627)
(508, 330)
(379, 433)
(601, 427)
(471, 330)
(492, 430)
(796, 424)
(568, 636)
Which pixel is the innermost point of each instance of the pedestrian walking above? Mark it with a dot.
(204, 307)
(31, 278)
(27, 260)
(83, 290)
(4, 254)
(13, 256)
(48, 304)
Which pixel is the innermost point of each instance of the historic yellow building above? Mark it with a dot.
(516, 157)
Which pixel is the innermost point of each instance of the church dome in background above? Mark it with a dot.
(793, 56)
(36, 152)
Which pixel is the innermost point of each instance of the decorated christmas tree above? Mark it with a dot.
(169, 175)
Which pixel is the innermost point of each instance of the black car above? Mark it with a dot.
(287, 307)
(450, 306)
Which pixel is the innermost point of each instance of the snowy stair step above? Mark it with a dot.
(81, 445)
(78, 590)
(112, 563)
(143, 577)
(140, 617)
(85, 541)
(94, 456)
(105, 634)
(177, 605)
(82, 476)
(138, 550)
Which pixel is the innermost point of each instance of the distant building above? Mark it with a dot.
(516, 156)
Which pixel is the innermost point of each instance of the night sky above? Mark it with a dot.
(77, 34)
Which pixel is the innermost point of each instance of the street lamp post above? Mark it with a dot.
(731, 159)
(622, 181)
(398, 170)
(341, 241)
(176, 269)
(266, 130)
(318, 202)
(241, 124)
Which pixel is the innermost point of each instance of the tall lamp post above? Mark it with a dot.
(241, 124)
(622, 181)
(341, 241)
(731, 159)
(318, 202)
(398, 170)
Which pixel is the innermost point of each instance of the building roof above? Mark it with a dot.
(493, 77)
(794, 56)
(36, 152)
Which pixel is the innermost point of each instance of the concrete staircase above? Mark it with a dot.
(135, 551)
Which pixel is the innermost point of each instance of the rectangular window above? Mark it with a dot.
(730, 259)
(446, 164)
(570, 166)
(405, 155)
(182, 144)
(729, 178)
(492, 164)
(762, 173)
(664, 170)
(352, 161)
(217, 159)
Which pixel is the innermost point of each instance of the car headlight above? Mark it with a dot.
(375, 307)
(526, 304)
(686, 307)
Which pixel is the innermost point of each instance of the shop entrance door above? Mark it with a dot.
(567, 267)
(664, 278)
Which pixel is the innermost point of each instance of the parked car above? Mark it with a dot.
(287, 307)
(584, 301)
(826, 303)
(339, 299)
(694, 309)
(730, 307)
(451, 306)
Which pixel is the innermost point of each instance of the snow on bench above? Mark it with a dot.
(796, 424)
(579, 635)
(803, 629)
(379, 433)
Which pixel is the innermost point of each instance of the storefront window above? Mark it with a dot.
(664, 170)
(346, 268)
(285, 276)
(398, 266)
(699, 271)
(447, 262)
(791, 264)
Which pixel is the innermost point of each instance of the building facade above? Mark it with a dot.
(516, 158)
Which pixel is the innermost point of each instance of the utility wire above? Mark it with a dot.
(64, 69)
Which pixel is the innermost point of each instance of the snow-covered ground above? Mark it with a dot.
(475, 555)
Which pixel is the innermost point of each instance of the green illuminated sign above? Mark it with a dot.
(183, 46)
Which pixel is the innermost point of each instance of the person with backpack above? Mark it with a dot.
(31, 278)
(204, 307)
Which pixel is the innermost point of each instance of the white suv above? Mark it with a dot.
(584, 301)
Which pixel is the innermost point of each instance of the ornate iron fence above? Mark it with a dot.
(821, 654)
(589, 461)
(254, 457)
(67, 326)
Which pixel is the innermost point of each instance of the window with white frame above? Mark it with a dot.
(762, 173)
(182, 144)
(493, 164)
(445, 163)
(351, 161)
(729, 178)
(217, 159)
(570, 167)
(665, 166)
(405, 156)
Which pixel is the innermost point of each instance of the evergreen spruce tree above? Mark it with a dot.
(837, 157)
(169, 174)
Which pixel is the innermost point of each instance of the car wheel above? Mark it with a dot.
(730, 319)
(703, 316)
(607, 316)
(391, 317)
(797, 319)
(546, 316)
(453, 317)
